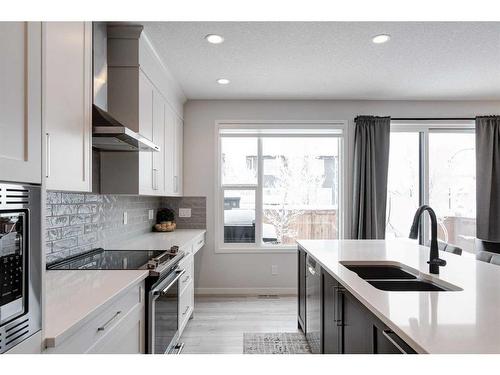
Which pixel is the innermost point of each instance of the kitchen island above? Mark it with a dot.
(463, 319)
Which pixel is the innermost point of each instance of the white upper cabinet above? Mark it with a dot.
(67, 104)
(159, 139)
(140, 97)
(169, 156)
(173, 153)
(20, 102)
(178, 141)
(145, 115)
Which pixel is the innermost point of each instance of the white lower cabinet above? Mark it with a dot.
(127, 337)
(186, 283)
(186, 306)
(186, 290)
(118, 327)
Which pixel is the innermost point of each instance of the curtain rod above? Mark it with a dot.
(433, 118)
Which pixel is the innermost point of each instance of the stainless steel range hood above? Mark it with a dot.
(108, 134)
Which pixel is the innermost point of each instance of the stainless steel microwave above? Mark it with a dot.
(20, 263)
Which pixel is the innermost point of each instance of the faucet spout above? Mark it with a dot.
(434, 261)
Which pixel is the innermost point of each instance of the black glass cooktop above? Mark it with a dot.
(100, 259)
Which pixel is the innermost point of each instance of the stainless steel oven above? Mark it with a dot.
(163, 314)
(20, 263)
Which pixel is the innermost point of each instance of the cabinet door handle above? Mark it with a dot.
(186, 278)
(185, 311)
(338, 312)
(106, 325)
(47, 155)
(387, 334)
(155, 179)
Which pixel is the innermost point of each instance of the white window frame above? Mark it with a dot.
(258, 247)
(425, 127)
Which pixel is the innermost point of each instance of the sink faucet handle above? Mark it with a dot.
(438, 261)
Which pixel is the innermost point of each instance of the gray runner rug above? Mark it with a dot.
(275, 343)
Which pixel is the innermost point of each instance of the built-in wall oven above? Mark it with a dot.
(163, 314)
(20, 263)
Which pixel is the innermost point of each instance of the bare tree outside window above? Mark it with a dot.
(277, 189)
(300, 189)
(293, 192)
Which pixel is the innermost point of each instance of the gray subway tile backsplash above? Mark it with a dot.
(78, 222)
(198, 205)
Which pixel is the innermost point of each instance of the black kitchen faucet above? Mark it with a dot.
(434, 261)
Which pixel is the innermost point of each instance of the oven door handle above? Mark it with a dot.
(164, 290)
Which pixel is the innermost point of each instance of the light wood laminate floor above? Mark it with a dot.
(219, 322)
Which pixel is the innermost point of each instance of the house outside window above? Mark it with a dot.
(277, 183)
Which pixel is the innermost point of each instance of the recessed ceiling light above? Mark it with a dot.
(381, 38)
(214, 38)
(223, 81)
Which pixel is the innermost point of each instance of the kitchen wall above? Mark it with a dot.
(81, 222)
(198, 206)
(251, 273)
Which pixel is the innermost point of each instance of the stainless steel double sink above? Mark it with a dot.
(395, 278)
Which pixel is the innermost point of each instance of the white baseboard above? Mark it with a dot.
(245, 291)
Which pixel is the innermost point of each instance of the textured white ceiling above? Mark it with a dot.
(333, 60)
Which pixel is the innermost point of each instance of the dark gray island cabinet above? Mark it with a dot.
(346, 325)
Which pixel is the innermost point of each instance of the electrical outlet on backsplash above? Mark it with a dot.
(78, 222)
(198, 215)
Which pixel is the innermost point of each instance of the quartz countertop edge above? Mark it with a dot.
(449, 322)
(75, 296)
(159, 240)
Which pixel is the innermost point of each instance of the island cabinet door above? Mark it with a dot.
(301, 315)
(357, 326)
(331, 314)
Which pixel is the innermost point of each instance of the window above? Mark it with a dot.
(278, 183)
(403, 184)
(433, 164)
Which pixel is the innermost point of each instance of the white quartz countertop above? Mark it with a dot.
(459, 321)
(158, 240)
(71, 296)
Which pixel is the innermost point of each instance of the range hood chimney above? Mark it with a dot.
(109, 134)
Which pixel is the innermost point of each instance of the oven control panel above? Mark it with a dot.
(11, 274)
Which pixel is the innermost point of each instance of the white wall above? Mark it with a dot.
(247, 273)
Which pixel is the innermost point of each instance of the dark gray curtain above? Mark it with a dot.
(371, 164)
(488, 178)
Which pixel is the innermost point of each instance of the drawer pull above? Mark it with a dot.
(186, 278)
(105, 325)
(185, 311)
(200, 242)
